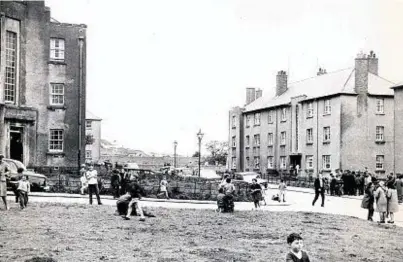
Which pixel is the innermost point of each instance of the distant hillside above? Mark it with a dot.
(113, 148)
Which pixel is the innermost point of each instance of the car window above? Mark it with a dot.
(238, 177)
(37, 180)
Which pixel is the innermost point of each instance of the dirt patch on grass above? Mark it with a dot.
(92, 233)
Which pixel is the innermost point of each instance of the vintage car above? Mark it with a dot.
(248, 176)
(37, 181)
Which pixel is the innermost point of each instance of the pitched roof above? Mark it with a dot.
(91, 116)
(338, 82)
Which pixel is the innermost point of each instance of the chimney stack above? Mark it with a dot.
(364, 64)
(281, 83)
(250, 95)
(259, 93)
(321, 71)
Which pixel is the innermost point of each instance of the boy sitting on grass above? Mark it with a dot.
(129, 200)
(296, 254)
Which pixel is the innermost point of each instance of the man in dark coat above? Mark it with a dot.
(115, 183)
(319, 189)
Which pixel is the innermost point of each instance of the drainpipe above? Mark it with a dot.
(80, 88)
(317, 136)
(276, 144)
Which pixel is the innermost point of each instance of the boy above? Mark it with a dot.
(296, 254)
(282, 187)
(83, 179)
(220, 200)
(23, 190)
(92, 181)
(132, 198)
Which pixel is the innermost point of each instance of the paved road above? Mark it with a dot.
(297, 201)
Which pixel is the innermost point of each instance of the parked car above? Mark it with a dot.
(248, 176)
(38, 181)
(208, 173)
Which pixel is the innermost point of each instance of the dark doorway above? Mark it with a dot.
(16, 145)
(294, 161)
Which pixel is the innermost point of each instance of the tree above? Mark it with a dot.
(196, 154)
(218, 152)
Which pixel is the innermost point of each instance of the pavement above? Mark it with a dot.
(298, 200)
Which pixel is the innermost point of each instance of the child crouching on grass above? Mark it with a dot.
(296, 253)
(23, 190)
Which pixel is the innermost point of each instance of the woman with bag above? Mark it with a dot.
(368, 201)
(381, 201)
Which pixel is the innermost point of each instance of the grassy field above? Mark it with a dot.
(93, 233)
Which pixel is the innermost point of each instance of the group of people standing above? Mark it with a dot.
(385, 196)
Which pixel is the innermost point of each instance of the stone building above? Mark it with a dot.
(93, 137)
(398, 127)
(42, 86)
(332, 121)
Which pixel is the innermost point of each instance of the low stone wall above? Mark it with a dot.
(178, 187)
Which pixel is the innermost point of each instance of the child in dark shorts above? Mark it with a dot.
(220, 200)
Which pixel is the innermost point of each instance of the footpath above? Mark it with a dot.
(272, 190)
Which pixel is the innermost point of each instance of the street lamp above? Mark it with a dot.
(175, 145)
(200, 137)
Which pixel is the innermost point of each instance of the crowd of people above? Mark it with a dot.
(383, 197)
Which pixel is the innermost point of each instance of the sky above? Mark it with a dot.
(158, 71)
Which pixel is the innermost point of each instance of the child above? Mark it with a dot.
(256, 193)
(264, 193)
(282, 187)
(130, 200)
(296, 254)
(23, 190)
(220, 200)
(163, 187)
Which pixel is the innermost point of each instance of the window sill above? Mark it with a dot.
(309, 143)
(51, 153)
(282, 145)
(234, 127)
(270, 123)
(234, 147)
(283, 121)
(57, 62)
(54, 107)
(309, 117)
(381, 114)
(247, 147)
(326, 114)
(270, 146)
(247, 126)
(380, 170)
(380, 142)
(256, 125)
(326, 142)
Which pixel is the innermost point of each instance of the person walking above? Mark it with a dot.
(256, 191)
(368, 201)
(393, 205)
(164, 187)
(4, 172)
(319, 189)
(333, 183)
(115, 183)
(92, 178)
(381, 201)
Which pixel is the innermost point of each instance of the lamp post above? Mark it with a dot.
(175, 145)
(200, 137)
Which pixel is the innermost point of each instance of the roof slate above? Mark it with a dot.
(338, 82)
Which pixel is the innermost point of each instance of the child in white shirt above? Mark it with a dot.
(23, 190)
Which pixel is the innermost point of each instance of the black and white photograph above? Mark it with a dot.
(201, 130)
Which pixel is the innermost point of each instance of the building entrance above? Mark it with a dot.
(16, 143)
(295, 160)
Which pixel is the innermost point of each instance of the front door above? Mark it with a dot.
(16, 143)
